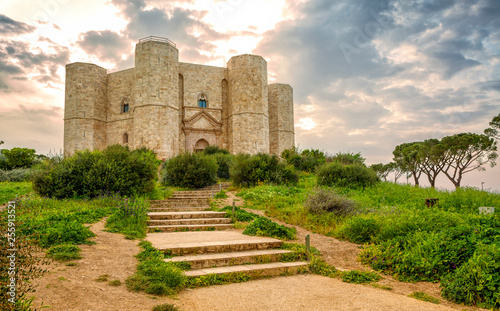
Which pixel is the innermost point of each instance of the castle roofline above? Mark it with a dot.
(85, 63)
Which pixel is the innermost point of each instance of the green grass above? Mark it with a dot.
(360, 277)
(11, 190)
(65, 252)
(424, 297)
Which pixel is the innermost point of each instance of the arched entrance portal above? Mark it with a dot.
(200, 145)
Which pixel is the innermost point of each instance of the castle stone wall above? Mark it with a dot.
(85, 113)
(156, 114)
(249, 110)
(121, 86)
(281, 118)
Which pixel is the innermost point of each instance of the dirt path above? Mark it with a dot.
(75, 288)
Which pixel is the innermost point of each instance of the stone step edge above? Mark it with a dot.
(220, 247)
(227, 259)
(186, 221)
(276, 268)
(181, 228)
(185, 215)
(178, 209)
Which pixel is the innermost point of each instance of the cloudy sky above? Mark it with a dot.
(367, 74)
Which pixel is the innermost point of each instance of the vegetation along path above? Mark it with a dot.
(87, 285)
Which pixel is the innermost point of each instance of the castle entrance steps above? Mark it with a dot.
(209, 243)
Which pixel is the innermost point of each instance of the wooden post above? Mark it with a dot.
(212, 192)
(308, 247)
(220, 187)
(233, 207)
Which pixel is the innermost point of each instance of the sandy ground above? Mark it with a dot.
(75, 288)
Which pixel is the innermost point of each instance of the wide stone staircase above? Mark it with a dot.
(182, 226)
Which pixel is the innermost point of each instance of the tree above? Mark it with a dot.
(19, 157)
(382, 170)
(494, 130)
(407, 157)
(431, 158)
(398, 171)
(467, 152)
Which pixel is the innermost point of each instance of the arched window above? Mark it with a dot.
(125, 139)
(202, 100)
(200, 145)
(125, 105)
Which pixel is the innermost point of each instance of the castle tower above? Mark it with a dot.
(281, 122)
(156, 107)
(85, 107)
(248, 117)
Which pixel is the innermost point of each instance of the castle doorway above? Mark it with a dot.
(201, 145)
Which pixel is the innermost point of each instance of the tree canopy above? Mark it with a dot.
(453, 155)
(494, 129)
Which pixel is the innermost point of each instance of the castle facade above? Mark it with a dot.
(173, 107)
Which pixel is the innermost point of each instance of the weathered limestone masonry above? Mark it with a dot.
(173, 107)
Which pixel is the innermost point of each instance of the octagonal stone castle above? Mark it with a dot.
(173, 107)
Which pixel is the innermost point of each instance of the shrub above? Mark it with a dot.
(319, 266)
(64, 252)
(16, 175)
(307, 160)
(29, 266)
(360, 229)
(88, 174)
(477, 281)
(265, 227)
(19, 157)
(224, 162)
(214, 150)
(190, 171)
(354, 176)
(347, 158)
(324, 201)
(261, 168)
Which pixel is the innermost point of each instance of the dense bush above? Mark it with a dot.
(327, 201)
(347, 158)
(17, 174)
(19, 157)
(90, 173)
(359, 229)
(261, 168)
(224, 162)
(307, 160)
(477, 281)
(215, 150)
(266, 227)
(337, 174)
(190, 171)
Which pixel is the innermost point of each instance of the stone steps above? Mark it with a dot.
(185, 203)
(188, 221)
(185, 215)
(178, 209)
(212, 252)
(230, 259)
(221, 246)
(202, 227)
(255, 270)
